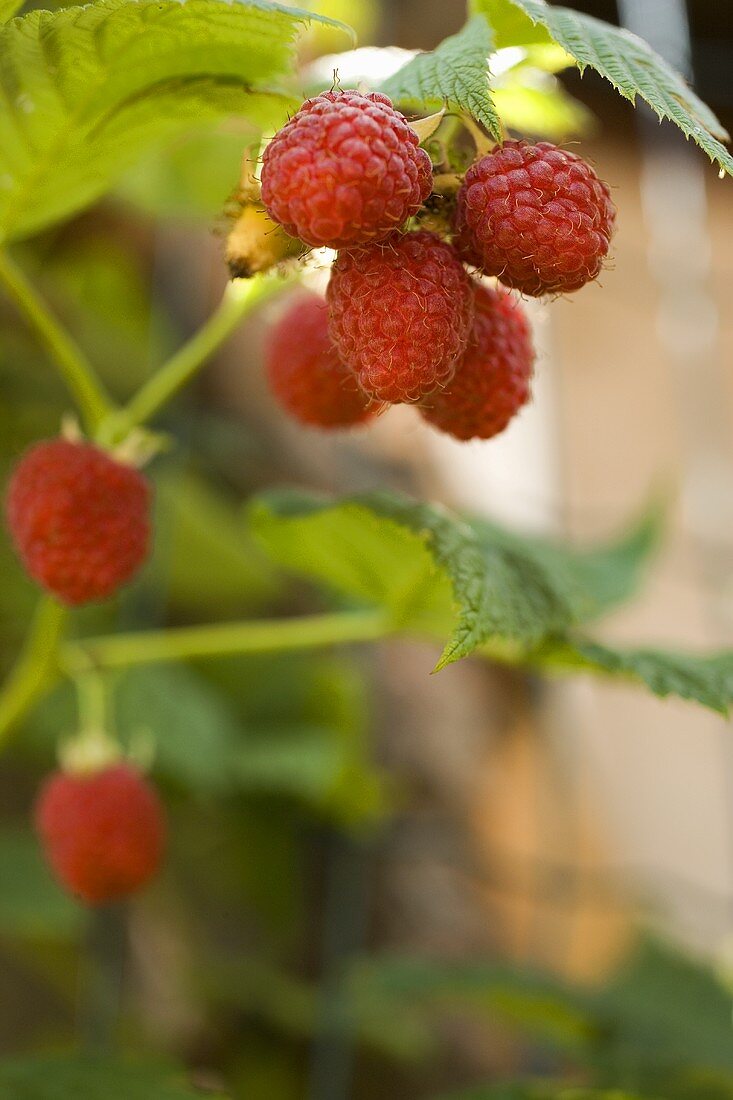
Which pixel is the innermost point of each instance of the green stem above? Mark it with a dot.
(225, 639)
(36, 665)
(240, 297)
(91, 693)
(73, 366)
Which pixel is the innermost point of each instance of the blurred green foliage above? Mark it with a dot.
(87, 1079)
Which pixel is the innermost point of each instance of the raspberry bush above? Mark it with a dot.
(384, 239)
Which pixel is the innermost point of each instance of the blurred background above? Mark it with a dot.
(383, 883)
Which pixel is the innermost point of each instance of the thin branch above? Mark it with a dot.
(225, 639)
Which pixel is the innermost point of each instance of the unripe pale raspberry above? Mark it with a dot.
(536, 216)
(492, 380)
(346, 169)
(102, 832)
(305, 373)
(400, 313)
(79, 519)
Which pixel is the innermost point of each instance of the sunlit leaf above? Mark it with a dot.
(88, 89)
(422, 562)
(629, 63)
(456, 73)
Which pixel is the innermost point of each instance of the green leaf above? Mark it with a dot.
(599, 579)
(296, 760)
(77, 1078)
(9, 8)
(420, 562)
(317, 755)
(88, 89)
(190, 180)
(192, 731)
(670, 1011)
(511, 26)
(456, 73)
(625, 60)
(206, 562)
(663, 1013)
(289, 1005)
(31, 904)
(535, 1003)
(699, 679)
(515, 598)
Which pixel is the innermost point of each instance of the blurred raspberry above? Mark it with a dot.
(536, 216)
(346, 169)
(102, 832)
(492, 380)
(79, 519)
(305, 373)
(400, 313)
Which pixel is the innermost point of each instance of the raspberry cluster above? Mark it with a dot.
(408, 318)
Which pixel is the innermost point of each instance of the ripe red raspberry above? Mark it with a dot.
(400, 313)
(492, 380)
(346, 169)
(305, 373)
(536, 216)
(103, 832)
(78, 518)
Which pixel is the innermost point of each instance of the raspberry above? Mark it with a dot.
(78, 518)
(102, 832)
(536, 216)
(492, 380)
(305, 373)
(346, 169)
(400, 313)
